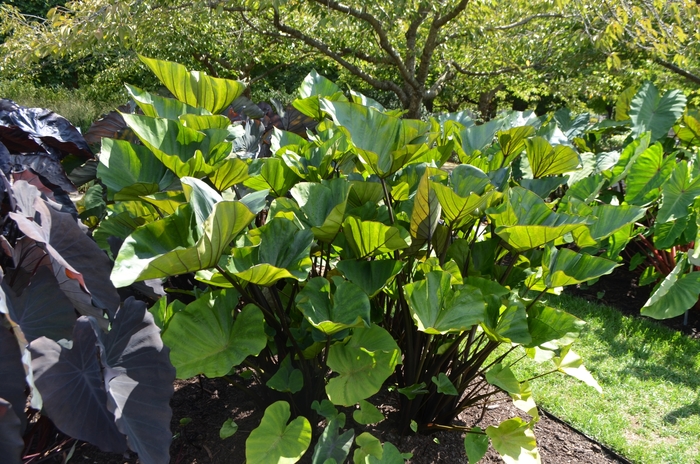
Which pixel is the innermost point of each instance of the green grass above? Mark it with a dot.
(74, 105)
(650, 407)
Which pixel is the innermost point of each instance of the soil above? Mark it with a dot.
(210, 402)
(201, 405)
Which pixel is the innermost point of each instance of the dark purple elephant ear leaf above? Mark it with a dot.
(47, 128)
(11, 443)
(140, 393)
(71, 384)
(42, 309)
(12, 374)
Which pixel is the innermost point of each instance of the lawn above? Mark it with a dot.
(650, 407)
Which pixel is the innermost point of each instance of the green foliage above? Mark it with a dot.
(367, 263)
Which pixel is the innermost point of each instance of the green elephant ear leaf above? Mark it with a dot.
(514, 441)
(287, 378)
(649, 111)
(546, 160)
(155, 106)
(367, 414)
(370, 276)
(332, 312)
(502, 377)
(367, 238)
(677, 293)
(363, 363)
(552, 325)
(184, 151)
(229, 173)
(271, 174)
(193, 87)
(571, 364)
(331, 445)
(426, 209)
(647, 174)
(457, 210)
(311, 89)
(438, 309)
(678, 194)
(204, 338)
(324, 206)
(525, 222)
(476, 443)
(123, 164)
(562, 267)
(444, 385)
(284, 252)
(275, 440)
(173, 245)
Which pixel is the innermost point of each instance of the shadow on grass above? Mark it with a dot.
(656, 352)
(683, 412)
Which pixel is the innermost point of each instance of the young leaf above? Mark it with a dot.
(414, 390)
(476, 444)
(571, 364)
(227, 429)
(444, 385)
(332, 446)
(367, 445)
(287, 378)
(276, 441)
(514, 441)
(367, 414)
(503, 378)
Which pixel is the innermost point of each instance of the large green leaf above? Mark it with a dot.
(204, 338)
(677, 293)
(274, 440)
(161, 107)
(525, 222)
(380, 139)
(123, 164)
(271, 174)
(426, 209)
(370, 276)
(546, 160)
(185, 151)
(287, 378)
(562, 267)
(503, 377)
(648, 173)
(650, 111)
(367, 238)
(324, 206)
(283, 252)
(508, 323)
(195, 88)
(678, 194)
(477, 138)
(689, 132)
(628, 156)
(363, 363)
(229, 173)
(550, 324)
(438, 309)
(609, 219)
(311, 89)
(330, 312)
(514, 441)
(458, 210)
(172, 245)
(476, 444)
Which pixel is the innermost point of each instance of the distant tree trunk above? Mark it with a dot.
(488, 105)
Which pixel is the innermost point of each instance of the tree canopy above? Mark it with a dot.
(439, 55)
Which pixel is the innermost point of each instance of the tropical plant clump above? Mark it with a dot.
(353, 259)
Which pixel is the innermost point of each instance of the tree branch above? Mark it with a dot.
(497, 72)
(431, 40)
(326, 50)
(439, 84)
(381, 34)
(412, 35)
(680, 71)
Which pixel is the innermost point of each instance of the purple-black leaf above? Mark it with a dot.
(11, 443)
(12, 375)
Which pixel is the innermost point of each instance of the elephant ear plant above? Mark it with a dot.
(94, 365)
(354, 261)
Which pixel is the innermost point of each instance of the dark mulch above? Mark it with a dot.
(209, 402)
